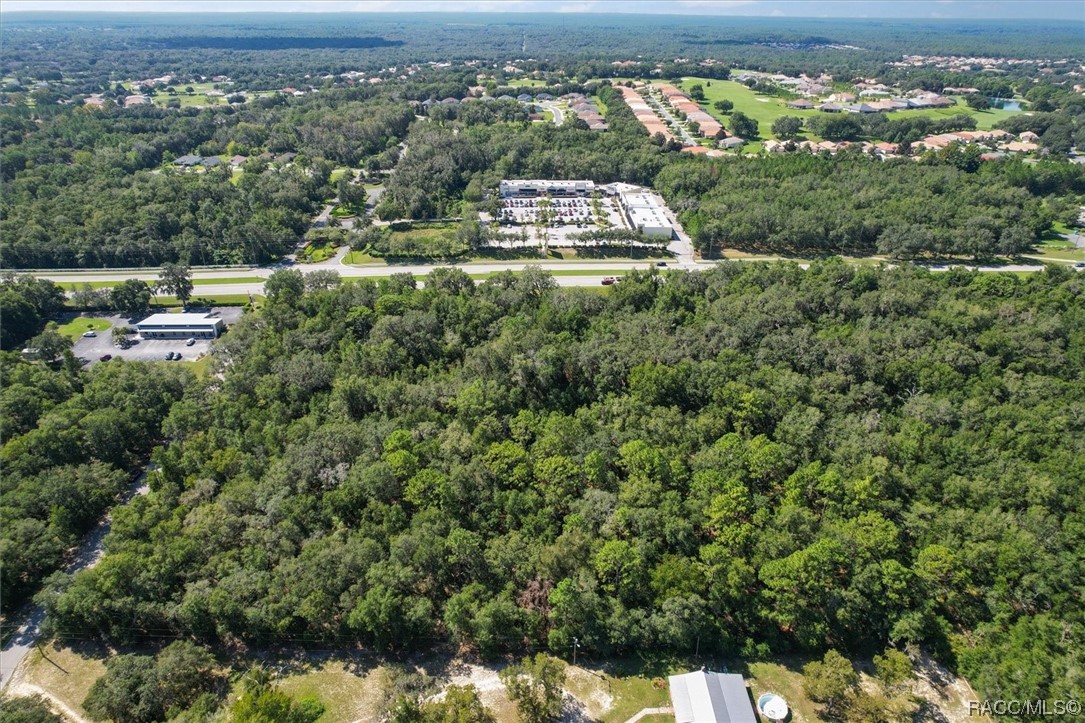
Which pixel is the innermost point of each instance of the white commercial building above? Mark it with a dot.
(180, 326)
(535, 188)
(645, 211)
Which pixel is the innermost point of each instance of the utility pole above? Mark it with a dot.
(576, 644)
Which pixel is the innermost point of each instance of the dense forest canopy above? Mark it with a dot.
(747, 460)
(298, 43)
(950, 204)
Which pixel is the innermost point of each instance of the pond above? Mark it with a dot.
(1005, 103)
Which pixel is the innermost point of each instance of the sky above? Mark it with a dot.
(950, 9)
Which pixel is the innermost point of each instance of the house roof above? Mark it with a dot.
(705, 697)
(187, 161)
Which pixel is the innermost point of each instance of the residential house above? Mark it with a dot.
(801, 104)
(187, 161)
(861, 108)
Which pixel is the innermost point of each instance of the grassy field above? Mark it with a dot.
(73, 285)
(315, 252)
(355, 689)
(75, 328)
(357, 258)
(345, 695)
(65, 673)
(172, 303)
(766, 109)
(527, 83)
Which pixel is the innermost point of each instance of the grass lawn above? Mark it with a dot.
(314, 253)
(600, 104)
(786, 682)
(526, 83)
(65, 673)
(548, 116)
(766, 109)
(345, 695)
(361, 257)
(174, 306)
(73, 285)
(338, 173)
(193, 100)
(1064, 252)
(75, 328)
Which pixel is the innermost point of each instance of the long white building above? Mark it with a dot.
(180, 326)
(536, 188)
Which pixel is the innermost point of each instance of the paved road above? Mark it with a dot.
(559, 114)
(90, 552)
(671, 119)
(681, 247)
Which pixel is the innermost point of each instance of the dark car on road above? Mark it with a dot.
(105, 357)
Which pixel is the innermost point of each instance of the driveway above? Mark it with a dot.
(89, 553)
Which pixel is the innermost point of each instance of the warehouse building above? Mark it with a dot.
(181, 326)
(645, 211)
(554, 189)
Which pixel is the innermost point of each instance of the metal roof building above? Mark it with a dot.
(704, 697)
(180, 326)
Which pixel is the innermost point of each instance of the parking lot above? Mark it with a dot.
(90, 350)
(562, 218)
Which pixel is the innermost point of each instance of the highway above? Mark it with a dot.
(587, 273)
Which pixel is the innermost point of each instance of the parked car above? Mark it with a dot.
(177, 356)
(661, 263)
(609, 280)
(169, 356)
(105, 357)
(1080, 265)
(190, 342)
(88, 334)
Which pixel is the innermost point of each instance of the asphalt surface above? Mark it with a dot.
(681, 247)
(559, 114)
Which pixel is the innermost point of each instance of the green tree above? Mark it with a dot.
(787, 127)
(285, 286)
(127, 693)
(131, 298)
(978, 101)
(894, 668)
(460, 704)
(51, 344)
(176, 279)
(743, 126)
(32, 709)
(832, 681)
(696, 92)
(724, 106)
(535, 684)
